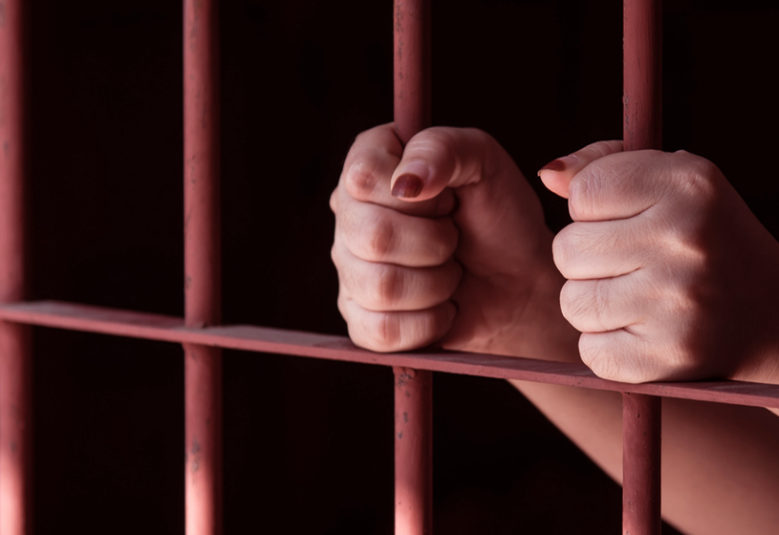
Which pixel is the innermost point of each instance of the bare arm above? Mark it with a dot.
(470, 231)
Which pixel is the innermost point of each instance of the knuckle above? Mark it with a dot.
(595, 353)
(385, 287)
(444, 247)
(695, 175)
(437, 140)
(379, 238)
(361, 179)
(384, 334)
(568, 300)
(340, 303)
(590, 352)
(334, 256)
(682, 299)
(563, 251)
(334, 201)
(583, 189)
(583, 305)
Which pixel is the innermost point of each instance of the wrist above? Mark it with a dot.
(538, 329)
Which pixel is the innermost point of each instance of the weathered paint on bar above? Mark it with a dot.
(413, 388)
(413, 451)
(642, 122)
(15, 411)
(202, 259)
(641, 415)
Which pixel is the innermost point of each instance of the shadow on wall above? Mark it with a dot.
(308, 444)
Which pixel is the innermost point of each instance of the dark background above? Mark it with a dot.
(307, 444)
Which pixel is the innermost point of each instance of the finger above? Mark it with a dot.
(379, 234)
(557, 174)
(368, 168)
(629, 356)
(387, 287)
(622, 185)
(439, 157)
(602, 305)
(601, 249)
(396, 331)
(617, 355)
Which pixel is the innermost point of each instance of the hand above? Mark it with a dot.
(670, 276)
(463, 227)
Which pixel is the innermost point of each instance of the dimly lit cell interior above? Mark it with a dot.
(308, 444)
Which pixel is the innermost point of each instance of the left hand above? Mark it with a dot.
(670, 276)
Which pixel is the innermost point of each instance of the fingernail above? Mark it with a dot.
(560, 164)
(411, 181)
(407, 186)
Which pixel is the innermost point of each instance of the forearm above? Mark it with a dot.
(720, 468)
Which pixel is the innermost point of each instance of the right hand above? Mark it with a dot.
(465, 228)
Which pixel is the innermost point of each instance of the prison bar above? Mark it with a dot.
(642, 129)
(202, 261)
(15, 410)
(413, 451)
(202, 337)
(87, 318)
(413, 388)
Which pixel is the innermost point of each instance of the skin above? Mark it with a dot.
(670, 276)
(658, 245)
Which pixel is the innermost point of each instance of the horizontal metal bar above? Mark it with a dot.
(87, 318)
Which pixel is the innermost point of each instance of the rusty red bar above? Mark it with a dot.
(202, 265)
(413, 451)
(642, 75)
(413, 388)
(642, 121)
(412, 67)
(15, 448)
(147, 326)
(641, 464)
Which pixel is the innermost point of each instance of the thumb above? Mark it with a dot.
(442, 157)
(557, 174)
(499, 218)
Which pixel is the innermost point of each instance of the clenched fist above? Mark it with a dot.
(444, 242)
(670, 276)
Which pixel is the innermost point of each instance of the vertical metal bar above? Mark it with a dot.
(412, 67)
(202, 259)
(413, 388)
(642, 75)
(15, 443)
(642, 102)
(641, 414)
(413, 452)
(641, 464)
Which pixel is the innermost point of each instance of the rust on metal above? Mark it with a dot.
(202, 261)
(413, 451)
(642, 129)
(15, 411)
